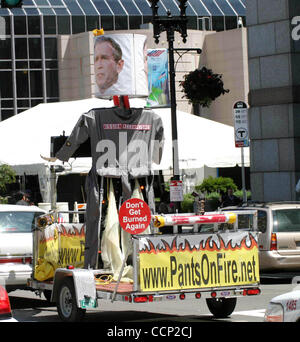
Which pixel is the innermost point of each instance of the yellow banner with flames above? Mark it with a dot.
(59, 245)
(185, 263)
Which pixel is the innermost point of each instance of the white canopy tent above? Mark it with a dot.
(26, 136)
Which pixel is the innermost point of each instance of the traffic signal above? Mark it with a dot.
(11, 3)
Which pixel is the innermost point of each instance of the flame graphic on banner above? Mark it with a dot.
(208, 245)
(72, 233)
(63, 231)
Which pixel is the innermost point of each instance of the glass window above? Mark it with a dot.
(22, 83)
(61, 11)
(73, 7)
(52, 83)
(212, 7)
(51, 48)
(6, 86)
(7, 104)
(35, 64)
(135, 22)
(34, 24)
(262, 220)
(20, 110)
(23, 103)
(17, 11)
(35, 48)
(190, 11)
(5, 65)
(4, 12)
(107, 22)
(87, 7)
(230, 22)
(21, 48)
(102, 7)
(20, 24)
(5, 48)
(144, 7)
(35, 102)
(22, 64)
(92, 23)
(17, 221)
(7, 113)
(130, 7)
(199, 8)
(192, 23)
(36, 84)
(170, 5)
(28, 3)
(42, 2)
(56, 3)
(218, 23)
(4, 24)
(238, 7)
(116, 7)
(225, 7)
(121, 23)
(31, 11)
(63, 25)
(51, 64)
(47, 11)
(286, 220)
(49, 24)
(78, 24)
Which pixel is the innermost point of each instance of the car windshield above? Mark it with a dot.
(17, 221)
(286, 220)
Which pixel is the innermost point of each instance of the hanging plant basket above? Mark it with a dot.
(202, 86)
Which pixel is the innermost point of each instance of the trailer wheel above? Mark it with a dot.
(221, 307)
(66, 303)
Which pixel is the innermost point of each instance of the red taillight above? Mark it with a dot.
(251, 292)
(4, 302)
(25, 260)
(214, 294)
(140, 299)
(198, 295)
(182, 296)
(273, 245)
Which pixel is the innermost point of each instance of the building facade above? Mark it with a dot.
(274, 97)
(29, 69)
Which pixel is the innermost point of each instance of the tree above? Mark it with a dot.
(7, 176)
(219, 184)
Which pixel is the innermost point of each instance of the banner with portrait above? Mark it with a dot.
(120, 65)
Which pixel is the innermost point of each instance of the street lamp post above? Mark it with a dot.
(171, 25)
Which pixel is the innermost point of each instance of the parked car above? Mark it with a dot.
(16, 223)
(284, 308)
(279, 238)
(5, 309)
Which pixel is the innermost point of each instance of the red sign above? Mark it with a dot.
(134, 216)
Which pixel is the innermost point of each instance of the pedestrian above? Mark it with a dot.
(22, 198)
(230, 199)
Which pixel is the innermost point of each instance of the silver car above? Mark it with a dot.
(16, 223)
(279, 238)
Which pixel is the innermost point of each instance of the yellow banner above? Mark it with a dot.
(60, 245)
(185, 267)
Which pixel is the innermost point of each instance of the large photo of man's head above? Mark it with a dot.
(115, 64)
(108, 62)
